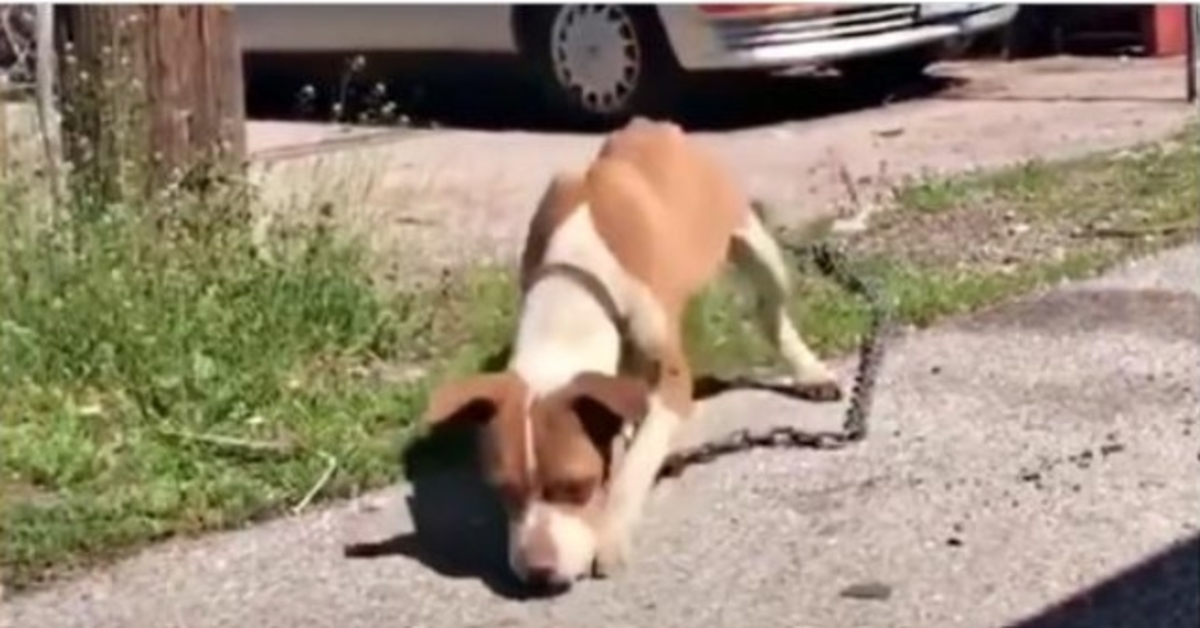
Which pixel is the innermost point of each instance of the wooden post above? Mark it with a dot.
(151, 94)
(3, 125)
(44, 60)
(1193, 19)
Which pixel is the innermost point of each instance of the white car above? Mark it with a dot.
(606, 62)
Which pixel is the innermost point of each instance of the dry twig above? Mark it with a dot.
(1171, 228)
(279, 448)
(331, 465)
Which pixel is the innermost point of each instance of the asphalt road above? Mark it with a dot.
(1019, 457)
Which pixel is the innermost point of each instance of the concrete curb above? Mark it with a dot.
(349, 138)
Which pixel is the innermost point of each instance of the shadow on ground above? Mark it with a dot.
(492, 95)
(968, 96)
(1162, 591)
(458, 527)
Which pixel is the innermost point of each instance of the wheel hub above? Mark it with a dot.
(595, 55)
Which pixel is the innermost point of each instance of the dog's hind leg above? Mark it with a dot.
(756, 255)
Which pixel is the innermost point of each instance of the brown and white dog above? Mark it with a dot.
(612, 258)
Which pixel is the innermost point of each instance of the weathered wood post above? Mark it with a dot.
(1193, 64)
(150, 94)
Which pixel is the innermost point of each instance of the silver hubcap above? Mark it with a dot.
(595, 55)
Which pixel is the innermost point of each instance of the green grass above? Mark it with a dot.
(131, 346)
(118, 339)
(929, 277)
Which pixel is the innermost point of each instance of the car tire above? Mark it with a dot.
(600, 64)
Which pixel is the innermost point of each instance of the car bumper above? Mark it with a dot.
(808, 35)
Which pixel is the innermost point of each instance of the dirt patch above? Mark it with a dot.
(988, 237)
(1042, 211)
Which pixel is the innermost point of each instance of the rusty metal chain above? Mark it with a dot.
(831, 262)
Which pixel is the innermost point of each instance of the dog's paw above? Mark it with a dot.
(612, 554)
(823, 390)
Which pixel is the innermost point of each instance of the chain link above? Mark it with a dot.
(831, 262)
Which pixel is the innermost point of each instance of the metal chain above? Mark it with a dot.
(831, 262)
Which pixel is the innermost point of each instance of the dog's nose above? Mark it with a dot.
(546, 581)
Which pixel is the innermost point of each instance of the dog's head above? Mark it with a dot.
(549, 458)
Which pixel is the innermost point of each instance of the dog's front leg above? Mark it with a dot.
(634, 479)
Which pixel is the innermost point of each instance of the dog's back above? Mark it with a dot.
(662, 205)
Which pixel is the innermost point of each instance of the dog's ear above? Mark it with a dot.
(607, 404)
(470, 401)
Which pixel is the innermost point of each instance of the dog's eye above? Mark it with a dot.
(512, 494)
(576, 492)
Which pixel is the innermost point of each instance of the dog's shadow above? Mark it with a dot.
(458, 526)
